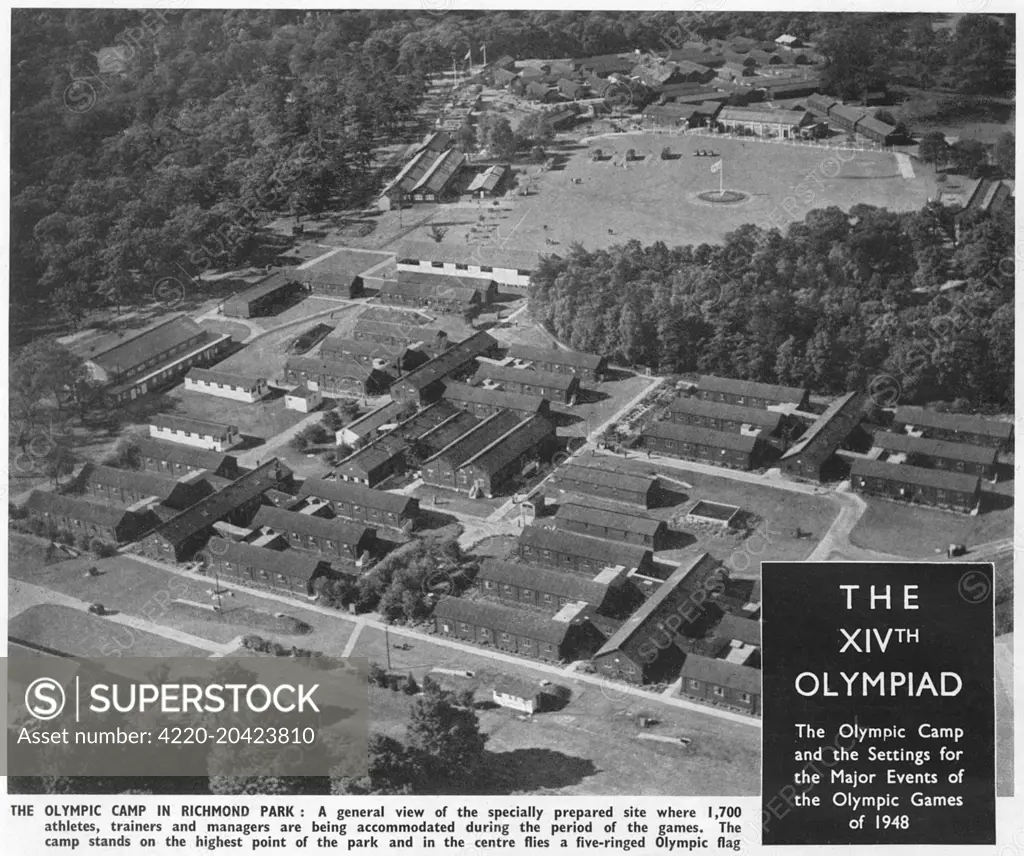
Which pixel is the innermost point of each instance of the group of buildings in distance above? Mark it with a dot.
(930, 458)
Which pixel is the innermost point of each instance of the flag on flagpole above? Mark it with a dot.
(483, 48)
(469, 56)
(716, 167)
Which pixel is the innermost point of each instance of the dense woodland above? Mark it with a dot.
(832, 304)
(211, 122)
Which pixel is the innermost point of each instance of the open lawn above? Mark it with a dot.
(238, 332)
(654, 200)
(917, 532)
(71, 631)
(139, 589)
(262, 419)
(587, 747)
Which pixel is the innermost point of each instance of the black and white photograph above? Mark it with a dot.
(497, 349)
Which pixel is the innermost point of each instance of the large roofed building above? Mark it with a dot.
(723, 448)
(810, 455)
(586, 366)
(154, 358)
(189, 431)
(904, 483)
(748, 393)
(599, 477)
(479, 261)
(958, 427)
(940, 454)
(266, 297)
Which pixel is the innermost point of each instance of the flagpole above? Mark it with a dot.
(721, 178)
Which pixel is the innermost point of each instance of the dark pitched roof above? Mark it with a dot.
(895, 442)
(175, 453)
(147, 344)
(335, 528)
(294, 563)
(939, 479)
(216, 506)
(545, 580)
(511, 374)
(821, 103)
(424, 421)
(850, 114)
(478, 438)
(173, 422)
(690, 576)
(963, 422)
(383, 415)
(772, 392)
(512, 444)
(608, 553)
(343, 491)
(701, 436)
(147, 483)
(601, 473)
(578, 513)
(368, 458)
(574, 359)
(767, 419)
(362, 347)
(834, 425)
(743, 629)
(722, 673)
(462, 392)
(345, 369)
(225, 378)
(503, 619)
(79, 509)
(266, 286)
(870, 123)
(517, 688)
(448, 431)
(450, 361)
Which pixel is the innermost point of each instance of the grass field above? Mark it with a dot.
(141, 590)
(587, 747)
(70, 631)
(916, 532)
(655, 200)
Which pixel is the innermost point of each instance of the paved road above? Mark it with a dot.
(611, 689)
(23, 595)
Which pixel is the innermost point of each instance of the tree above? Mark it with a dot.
(969, 157)
(59, 462)
(448, 737)
(501, 142)
(1005, 153)
(534, 129)
(856, 61)
(466, 137)
(933, 148)
(392, 769)
(437, 233)
(980, 52)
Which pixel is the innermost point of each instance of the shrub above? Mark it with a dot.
(410, 687)
(377, 676)
(102, 549)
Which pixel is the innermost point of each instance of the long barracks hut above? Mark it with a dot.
(183, 534)
(492, 470)
(611, 525)
(596, 477)
(363, 504)
(561, 388)
(154, 358)
(748, 393)
(939, 454)
(570, 551)
(513, 630)
(174, 460)
(936, 488)
(508, 267)
(237, 387)
(721, 683)
(544, 588)
(483, 402)
(128, 487)
(443, 467)
(84, 517)
(643, 648)
(287, 571)
(957, 427)
(687, 410)
(425, 384)
(187, 431)
(343, 539)
(810, 455)
(737, 451)
(586, 366)
(267, 297)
